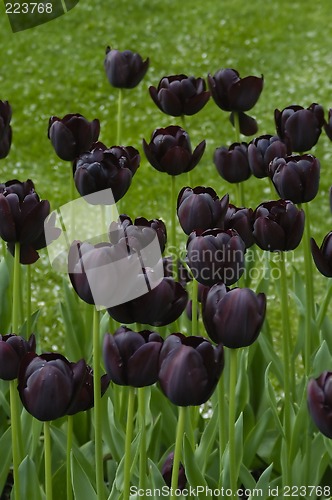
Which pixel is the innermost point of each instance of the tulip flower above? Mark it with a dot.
(48, 384)
(106, 168)
(300, 127)
(241, 220)
(323, 255)
(72, 135)
(22, 217)
(179, 95)
(232, 163)
(189, 369)
(233, 318)
(200, 208)
(278, 225)
(262, 150)
(296, 178)
(215, 255)
(12, 349)
(125, 69)
(5, 128)
(132, 358)
(170, 150)
(320, 402)
(84, 398)
(167, 470)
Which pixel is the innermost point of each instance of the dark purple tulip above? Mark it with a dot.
(84, 398)
(247, 124)
(125, 69)
(320, 402)
(48, 384)
(278, 225)
(170, 150)
(232, 93)
(200, 208)
(296, 178)
(215, 255)
(233, 318)
(323, 255)
(132, 358)
(12, 349)
(189, 369)
(328, 125)
(167, 470)
(262, 150)
(160, 306)
(241, 219)
(300, 127)
(22, 217)
(106, 168)
(5, 128)
(232, 163)
(178, 95)
(72, 135)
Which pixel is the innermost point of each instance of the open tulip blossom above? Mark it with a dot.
(323, 255)
(5, 128)
(125, 69)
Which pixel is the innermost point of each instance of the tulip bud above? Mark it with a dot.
(12, 349)
(320, 402)
(125, 69)
(323, 255)
(232, 163)
(241, 220)
(262, 150)
(5, 128)
(167, 470)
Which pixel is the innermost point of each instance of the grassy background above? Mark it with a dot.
(57, 68)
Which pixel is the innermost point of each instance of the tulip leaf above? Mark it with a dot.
(255, 437)
(246, 478)
(193, 471)
(33, 323)
(270, 354)
(322, 360)
(202, 453)
(155, 476)
(31, 431)
(6, 458)
(113, 433)
(6, 266)
(242, 385)
(239, 442)
(263, 483)
(29, 481)
(273, 401)
(82, 486)
(300, 427)
(4, 388)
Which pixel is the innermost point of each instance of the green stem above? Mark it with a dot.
(173, 216)
(16, 290)
(97, 407)
(178, 450)
(69, 447)
(194, 301)
(15, 425)
(231, 416)
(48, 461)
(28, 289)
(286, 341)
(142, 456)
(323, 308)
(237, 126)
(221, 421)
(119, 119)
(310, 306)
(129, 435)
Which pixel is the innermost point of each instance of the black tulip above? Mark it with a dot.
(12, 349)
(278, 225)
(300, 127)
(240, 219)
(215, 255)
(72, 135)
(84, 397)
(200, 208)
(167, 470)
(296, 178)
(106, 168)
(319, 396)
(5, 128)
(189, 369)
(132, 358)
(125, 69)
(233, 318)
(170, 150)
(179, 95)
(232, 163)
(262, 150)
(323, 255)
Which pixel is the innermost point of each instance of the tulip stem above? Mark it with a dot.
(222, 421)
(15, 425)
(28, 285)
(48, 461)
(323, 308)
(142, 456)
(16, 289)
(129, 435)
(194, 302)
(178, 450)
(310, 306)
(70, 421)
(97, 407)
(173, 220)
(231, 416)
(119, 119)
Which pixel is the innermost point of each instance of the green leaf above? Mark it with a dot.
(270, 354)
(202, 453)
(322, 360)
(246, 478)
(239, 442)
(193, 472)
(157, 479)
(82, 486)
(6, 270)
(273, 401)
(29, 481)
(255, 437)
(6, 458)
(263, 483)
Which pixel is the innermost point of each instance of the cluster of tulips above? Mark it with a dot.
(195, 311)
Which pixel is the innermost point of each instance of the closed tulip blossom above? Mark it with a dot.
(132, 358)
(300, 127)
(200, 208)
(278, 226)
(328, 125)
(232, 163)
(106, 168)
(167, 470)
(179, 95)
(240, 219)
(5, 128)
(125, 69)
(319, 397)
(72, 135)
(189, 369)
(215, 255)
(12, 349)
(170, 151)
(323, 255)
(84, 398)
(262, 150)
(296, 178)
(233, 318)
